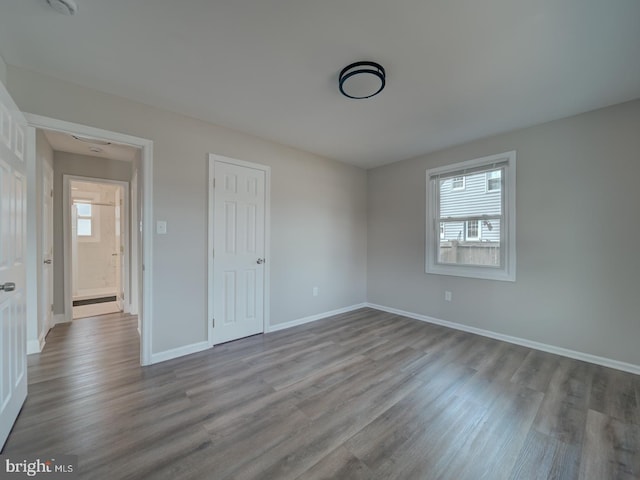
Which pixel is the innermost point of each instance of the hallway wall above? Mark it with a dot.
(81, 165)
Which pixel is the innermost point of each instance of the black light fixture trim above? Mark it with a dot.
(371, 68)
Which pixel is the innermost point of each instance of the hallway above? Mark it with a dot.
(75, 385)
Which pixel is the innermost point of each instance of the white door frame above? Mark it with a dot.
(133, 241)
(46, 310)
(68, 257)
(145, 314)
(213, 158)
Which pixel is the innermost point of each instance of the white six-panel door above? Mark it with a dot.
(238, 251)
(13, 320)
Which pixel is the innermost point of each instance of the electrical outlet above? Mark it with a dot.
(447, 295)
(315, 291)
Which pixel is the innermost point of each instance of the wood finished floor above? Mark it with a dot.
(364, 395)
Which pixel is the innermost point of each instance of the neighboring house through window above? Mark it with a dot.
(457, 183)
(471, 230)
(494, 180)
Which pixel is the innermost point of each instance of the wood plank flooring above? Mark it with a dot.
(363, 395)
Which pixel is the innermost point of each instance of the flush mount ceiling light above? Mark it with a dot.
(362, 80)
(91, 141)
(65, 7)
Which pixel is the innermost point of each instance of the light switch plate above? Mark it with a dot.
(161, 227)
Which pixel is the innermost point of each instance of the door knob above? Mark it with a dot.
(260, 261)
(8, 287)
(48, 261)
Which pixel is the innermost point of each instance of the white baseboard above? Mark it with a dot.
(565, 352)
(59, 318)
(178, 352)
(33, 346)
(312, 318)
(36, 346)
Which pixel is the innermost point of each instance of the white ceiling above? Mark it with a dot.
(63, 142)
(456, 69)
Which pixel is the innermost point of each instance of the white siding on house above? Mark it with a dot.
(489, 231)
(473, 199)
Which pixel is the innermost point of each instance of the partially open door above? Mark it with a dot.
(239, 243)
(13, 216)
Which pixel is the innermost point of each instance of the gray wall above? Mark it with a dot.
(318, 230)
(3, 71)
(84, 166)
(577, 237)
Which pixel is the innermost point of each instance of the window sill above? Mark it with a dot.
(472, 272)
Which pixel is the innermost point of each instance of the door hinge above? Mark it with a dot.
(214, 183)
(52, 193)
(121, 248)
(213, 322)
(52, 308)
(121, 295)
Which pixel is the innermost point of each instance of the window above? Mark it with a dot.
(471, 234)
(86, 211)
(457, 183)
(84, 219)
(494, 180)
(472, 230)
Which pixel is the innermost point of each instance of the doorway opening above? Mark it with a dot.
(109, 170)
(99, 246)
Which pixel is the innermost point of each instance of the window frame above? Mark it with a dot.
(478, 237)
(507, 270)
(89, 217)
(91, 198)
